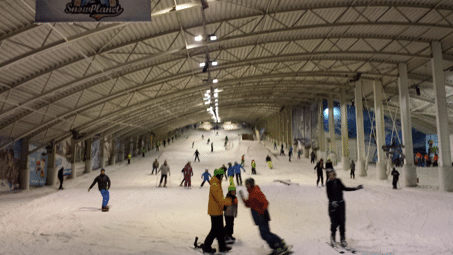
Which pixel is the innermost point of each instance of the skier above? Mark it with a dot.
(129, 156)
(242, 159)
(205, 176)
(157, 146)
(299, 152)
(143, 151)
(224, 168)
(215, 210)
(231, 211)
(319, 168)
(231, 170)
(253, 167)
(60, 177)
(258, 204)
(282, 152)
(155, 166)
(275, 145)
(209, 139)
(269, 162)
(396, 176)
(212, 147)
(164, 169)
(313, 157)
(196, 156)
(188, 173)
(104, 185)
(290, 153)
(352, 169)
(335, 188)
(237, 172)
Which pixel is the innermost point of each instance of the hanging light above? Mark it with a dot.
(215, 81)
(198, 38)
(213, 37)
(202, 64)
(214, 63)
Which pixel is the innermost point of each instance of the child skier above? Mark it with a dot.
(237, 172)
(197, 156)
(188, 173)
(335, 188)
(206, 175)
(253, 167)
(155, 166)
(231, 211)
(104, 185)
(299, 152)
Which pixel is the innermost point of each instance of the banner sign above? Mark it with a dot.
(51, 11)
(63, 155)
(37, 165)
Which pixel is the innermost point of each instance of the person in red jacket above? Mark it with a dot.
(258, 204)
(188, 173)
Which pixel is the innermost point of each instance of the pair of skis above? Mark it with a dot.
(342, 250)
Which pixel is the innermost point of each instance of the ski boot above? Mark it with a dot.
(332, 241)
(343, 243)
(208, 250)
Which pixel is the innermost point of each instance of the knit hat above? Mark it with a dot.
(231, 187)
(219, 172)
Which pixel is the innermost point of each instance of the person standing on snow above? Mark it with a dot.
(129, 156)
(155, 166)
(230, 173)
(60, 177)
(258, 204)
(212, 147)
(352, 169)
(242, 159)
(215, 211)
(103, 182)
(313, 157)
(253, 167)
(164, 169)
(396, 176)
(337, 207)
(237, 172)
(231, 212)
(319, 168)
(143, 151)
(206, 175)
(188, 173)
(290, 153)
(196, 156)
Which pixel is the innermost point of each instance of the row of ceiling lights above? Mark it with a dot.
(214, 108)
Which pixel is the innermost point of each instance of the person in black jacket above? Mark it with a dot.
(337, 206)
(104, 185)
(395, 178)
(60, 177)
(319, 166)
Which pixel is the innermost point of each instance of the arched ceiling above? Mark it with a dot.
(132, 78)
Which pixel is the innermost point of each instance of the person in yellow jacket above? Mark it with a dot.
(129, 156)
(215, 210)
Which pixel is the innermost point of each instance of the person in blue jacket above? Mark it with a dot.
(237, 172)
(206, 175)
(230, 172)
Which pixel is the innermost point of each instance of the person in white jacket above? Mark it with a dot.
(164, 169)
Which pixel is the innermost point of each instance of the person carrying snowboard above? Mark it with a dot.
(319, 167)
(231, 211)
(164, 169)
(253, 167)
(155, 166)
(103, 182)
(215, 211)
(337, 207)
(197, 156)
(396, 176)
(258, 204)
(206, 175)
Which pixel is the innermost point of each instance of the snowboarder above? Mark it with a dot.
(129, 156)
(335, 188)
(215, 210)
(253, 167)
(188, 173)
(60, 177)
(258, 204)
(164, 170)
(396, 176)
(319, 168)
(237, 172)
(205, 176)
(197, 154)
(103, 182)
(352, 169)
(155, 166)
(313, 156)
(231, 211)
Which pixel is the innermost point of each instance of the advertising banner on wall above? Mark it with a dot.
(37, 164)
(51, 11)
(9, 165)
(63, 156)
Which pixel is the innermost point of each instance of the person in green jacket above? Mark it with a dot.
(129, 156)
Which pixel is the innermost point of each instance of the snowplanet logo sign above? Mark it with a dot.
(96, 9)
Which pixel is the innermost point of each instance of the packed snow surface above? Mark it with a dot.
(145, 219)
